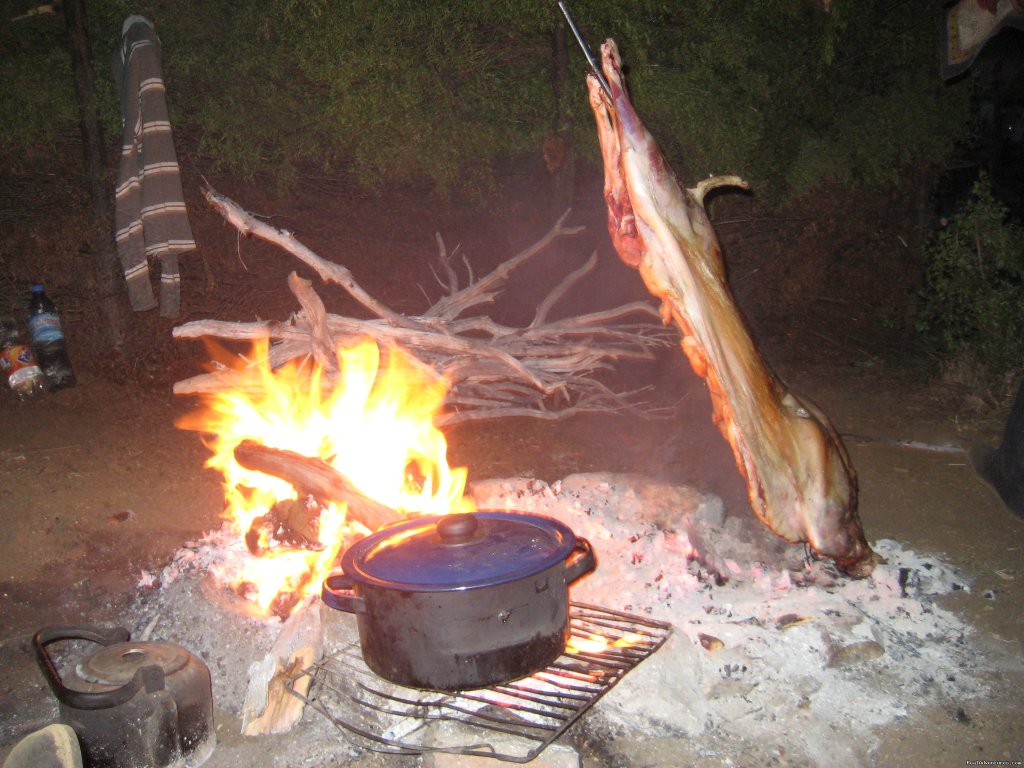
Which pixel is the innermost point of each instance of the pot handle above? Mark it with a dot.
(150, 677)
(337, 593)
(581, 565)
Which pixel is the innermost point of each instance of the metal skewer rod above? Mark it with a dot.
(586, 51)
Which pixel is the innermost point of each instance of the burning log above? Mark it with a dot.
(799, 478)
(368, 442)
(543, 370)
(293, 522)
(317, 477)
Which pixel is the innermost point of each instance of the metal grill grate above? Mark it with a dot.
(512, 721)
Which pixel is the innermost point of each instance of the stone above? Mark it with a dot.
(662, 693)
(855, 654)
(55, 746)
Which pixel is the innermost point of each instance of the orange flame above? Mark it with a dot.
(373, 423)
(597, 644)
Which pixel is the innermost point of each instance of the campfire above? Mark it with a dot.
(327, 434)
(339, 452)
(780, 639)
(321, 444)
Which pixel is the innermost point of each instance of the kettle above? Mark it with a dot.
(132, 704)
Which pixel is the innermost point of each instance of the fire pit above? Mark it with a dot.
(762, 627)
(783, 644)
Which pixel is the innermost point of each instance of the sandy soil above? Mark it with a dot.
(98, 484)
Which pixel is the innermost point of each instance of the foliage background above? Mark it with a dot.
(835, 107)
(973, 297)
(785, 92)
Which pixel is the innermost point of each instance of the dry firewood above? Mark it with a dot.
(248, 224)
(269, 706)
(799, 477)
(551, 363)
(316, 477)
(320, 338)
(485, 289)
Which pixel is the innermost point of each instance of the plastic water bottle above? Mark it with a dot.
(48, 340)
(18, 365)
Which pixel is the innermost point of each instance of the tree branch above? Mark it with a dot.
(493, 370)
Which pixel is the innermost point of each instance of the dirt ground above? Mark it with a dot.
(98, 484)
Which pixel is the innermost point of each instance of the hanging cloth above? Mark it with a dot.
(150, 219)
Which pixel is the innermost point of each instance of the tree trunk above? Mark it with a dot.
(103, 250)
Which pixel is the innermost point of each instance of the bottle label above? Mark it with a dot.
(24, 378)
(16, 356)
(18, 364)
(44, 328)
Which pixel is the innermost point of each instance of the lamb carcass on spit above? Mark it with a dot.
(798, 474)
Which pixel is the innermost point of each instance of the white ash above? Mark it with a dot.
(185, 603)
(787, 641)
(192, 610)
(804, 653)
(215, 550)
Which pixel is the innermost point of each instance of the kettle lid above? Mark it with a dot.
(117, 664)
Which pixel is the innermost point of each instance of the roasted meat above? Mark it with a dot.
(799, 477)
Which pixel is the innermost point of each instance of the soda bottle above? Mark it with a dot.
(48, 340)
(18, 365)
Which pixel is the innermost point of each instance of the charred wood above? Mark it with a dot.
(293, 522)
(316, 477)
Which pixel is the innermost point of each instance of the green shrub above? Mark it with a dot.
(973, 298)
(791, 94)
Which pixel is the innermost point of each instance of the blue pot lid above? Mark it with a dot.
(458, 551)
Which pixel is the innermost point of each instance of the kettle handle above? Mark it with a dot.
(338, 593)
(150, 678)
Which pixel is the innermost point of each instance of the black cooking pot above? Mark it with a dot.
(461, 601)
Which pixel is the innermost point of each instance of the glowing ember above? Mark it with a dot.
(597, 644)
(374, 424)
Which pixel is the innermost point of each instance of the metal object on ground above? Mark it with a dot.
(132, 704)
(513, 722)
(461, 601)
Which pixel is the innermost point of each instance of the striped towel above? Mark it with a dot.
(150, 218)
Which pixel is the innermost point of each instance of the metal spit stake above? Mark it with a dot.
(586, 51)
